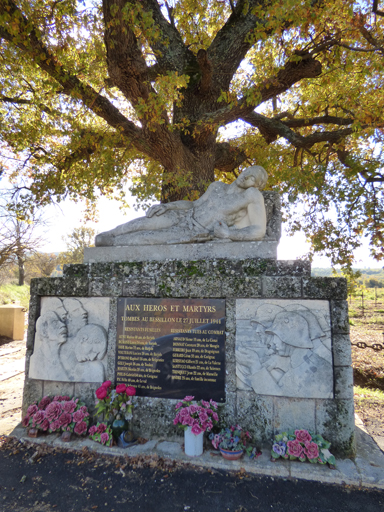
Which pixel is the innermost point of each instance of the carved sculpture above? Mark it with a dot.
(90, 349)
(51, 334)
(224, 212)
(67, 348)
(284, 350)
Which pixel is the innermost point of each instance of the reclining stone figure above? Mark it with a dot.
(224, 212)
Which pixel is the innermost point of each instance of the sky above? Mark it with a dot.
(70, 215)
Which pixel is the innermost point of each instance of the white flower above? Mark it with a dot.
(325, 453)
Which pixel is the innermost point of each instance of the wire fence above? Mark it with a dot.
(366, 308)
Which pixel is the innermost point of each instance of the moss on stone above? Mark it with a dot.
(189, 269)
(76, 270)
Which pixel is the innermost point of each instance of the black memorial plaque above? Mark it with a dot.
(170, 348)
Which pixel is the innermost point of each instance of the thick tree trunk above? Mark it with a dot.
(188, 179)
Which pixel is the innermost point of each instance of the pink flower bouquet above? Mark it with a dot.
(302, 445)
(200, 416)
(101, 433)
(58, 414)
(115, 403)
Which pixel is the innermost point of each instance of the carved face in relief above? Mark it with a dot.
(56, 305)
(51, 329)
(91, 343)
(77, 315)
(291, 329)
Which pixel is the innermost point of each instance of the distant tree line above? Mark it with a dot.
(368, 277)
(20, 261)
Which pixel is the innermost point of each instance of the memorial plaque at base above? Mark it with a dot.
(170, 348)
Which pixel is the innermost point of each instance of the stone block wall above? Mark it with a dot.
(215, 278)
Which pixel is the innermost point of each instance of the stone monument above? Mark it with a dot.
(224, 214)
(191, 299)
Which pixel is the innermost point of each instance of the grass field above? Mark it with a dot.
(12, 293)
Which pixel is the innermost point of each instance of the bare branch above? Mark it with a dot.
(375, 9)
(21, 101)
(321, 120)
(271, 129)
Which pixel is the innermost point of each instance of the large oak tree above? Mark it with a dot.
(176, 93)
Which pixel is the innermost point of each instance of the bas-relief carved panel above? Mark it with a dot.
(283, 348)
(71, 340)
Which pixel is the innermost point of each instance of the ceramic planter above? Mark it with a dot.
(193, 444)
(118, 427)
(229, 455)
(126, 439)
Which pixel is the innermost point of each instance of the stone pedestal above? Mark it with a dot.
(257, 291)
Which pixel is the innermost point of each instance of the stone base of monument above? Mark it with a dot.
(219, 249)
(261, 337)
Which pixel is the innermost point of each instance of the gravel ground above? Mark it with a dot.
(89, 482)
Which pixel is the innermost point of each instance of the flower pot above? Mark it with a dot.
(66, 436)
(118, 427)
(229, 455)
(193, 444)
(126, 439)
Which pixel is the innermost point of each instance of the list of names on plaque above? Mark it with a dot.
(170, 348)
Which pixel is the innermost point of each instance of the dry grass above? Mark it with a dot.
(367, 326)
(368, 364)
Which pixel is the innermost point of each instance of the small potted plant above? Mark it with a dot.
(195, 418)
(232, 442)
(58, 414)
(116, 405)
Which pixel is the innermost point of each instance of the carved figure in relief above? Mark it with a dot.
(289, 356)
(250, 356)
(91, 347)
(76, 318)
(51, 334)
(66, 347)
(224, 212)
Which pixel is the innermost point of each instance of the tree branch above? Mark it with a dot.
(21, 101)
(375, 9)
(168, 46)
(26, 37)
(126, 64)
(86, 149)
(359, 20)
(294, 71)
(230, 44)
(298, 123)
(367, 174)
(271, 129)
